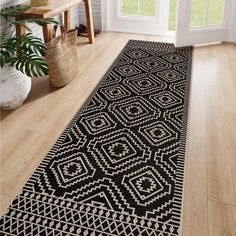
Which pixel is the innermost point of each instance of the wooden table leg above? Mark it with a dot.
(89, 18)
(67, 17)
(47, 33)
(20, 30)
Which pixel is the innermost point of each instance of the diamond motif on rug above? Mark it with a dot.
(137, 54)
(98, 123)
(152, 64)
(165, 99)
(174, 58)
(170, 75)
(158, 133)
(145, 84)
(71, 170)
(146, 186)
(118, 151)
(134, 111)
(115, 92)
(127, 70)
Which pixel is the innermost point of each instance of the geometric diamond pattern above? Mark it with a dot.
(137, 54)
(117, 152)
(98, 123)
(145, 84)
(117, 169)
(71, 170)
(115, 92)
(170, 76)
(146, 186)
(158, 133)
(165, 99)
(118, 149)
(134, 111)
(174, 58)
(127, 70)
(153, 64)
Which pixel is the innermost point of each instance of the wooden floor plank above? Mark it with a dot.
(222, 219)
(4, 202)
(195, 203)
(219, 155)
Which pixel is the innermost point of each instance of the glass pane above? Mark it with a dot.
(216, 12)
(130, 7)
(147, 8)
(172, 14)
(198, 13)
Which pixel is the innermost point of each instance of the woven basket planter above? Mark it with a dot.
(62, 59)
(39, 3)
(15, 87)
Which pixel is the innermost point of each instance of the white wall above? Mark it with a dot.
(232, 27)
(97, 14)
(78, 15)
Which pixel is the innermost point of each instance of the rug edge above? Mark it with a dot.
(183, 138)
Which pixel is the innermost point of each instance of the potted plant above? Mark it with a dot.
(21, 57)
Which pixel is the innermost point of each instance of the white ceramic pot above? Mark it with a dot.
(15, 87)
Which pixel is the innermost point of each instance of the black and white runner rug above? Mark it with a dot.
(117, 169)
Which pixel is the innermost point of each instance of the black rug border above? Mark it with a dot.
(183, 135)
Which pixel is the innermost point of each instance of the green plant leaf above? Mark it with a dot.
(26, 53)
(6, 50)
(32, 66)
(31, 44)
(2, 37)
(12, 11)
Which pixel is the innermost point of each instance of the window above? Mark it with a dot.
(207, 13)
(145, 8)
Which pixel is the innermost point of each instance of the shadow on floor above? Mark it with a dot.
(40, 88)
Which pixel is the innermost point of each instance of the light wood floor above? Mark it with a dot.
(209, 207)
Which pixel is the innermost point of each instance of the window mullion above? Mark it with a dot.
(206, 13)
(138, 7)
